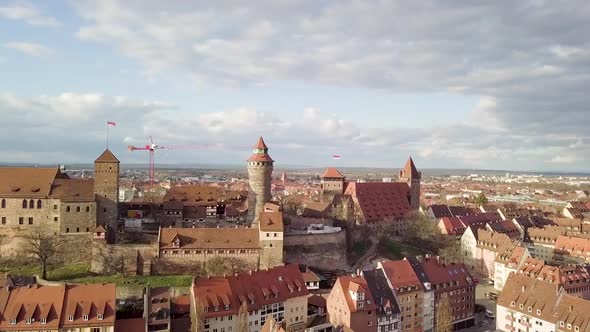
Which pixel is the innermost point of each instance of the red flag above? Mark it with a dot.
(336, 156)
(111, 123)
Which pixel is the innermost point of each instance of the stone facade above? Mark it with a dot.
(412, 177)
(77, 217)
(106, 189)
(260, 167)
(271, 249)
(324, 251)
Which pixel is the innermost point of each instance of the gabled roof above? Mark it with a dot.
(380, 200)
(380, 290)
(357, 285)
(107, 157)
(332, 172)
(401, 274)
(29, 182)
(539, 295)
(410, 170)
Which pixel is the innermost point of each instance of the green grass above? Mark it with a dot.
(79, 273)
(395, 250)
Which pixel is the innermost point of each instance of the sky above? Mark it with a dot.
(454, 84)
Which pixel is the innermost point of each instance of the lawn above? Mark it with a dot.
(79, 273)
(395, 250)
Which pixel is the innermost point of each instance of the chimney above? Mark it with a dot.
(523, 288)
(280, 278)
(250, 272)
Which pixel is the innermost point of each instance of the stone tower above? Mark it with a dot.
(270, 230)
(260, 166)
(332, 182)
(106, 191)
(412, 176)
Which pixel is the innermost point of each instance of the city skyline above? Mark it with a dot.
(373, 82)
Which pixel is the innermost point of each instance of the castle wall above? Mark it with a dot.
(77, 217)
(188, 261)
(324, 251)
(128, 259)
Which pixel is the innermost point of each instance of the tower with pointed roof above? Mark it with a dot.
(260, 166)
(106, 190)
(410, 175)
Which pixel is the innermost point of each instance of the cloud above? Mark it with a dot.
(28, 13)
(69, 127)
(31, 49)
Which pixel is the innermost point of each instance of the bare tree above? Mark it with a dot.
(43, 246)
(444, 319)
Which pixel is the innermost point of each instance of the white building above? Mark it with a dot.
(510, 258)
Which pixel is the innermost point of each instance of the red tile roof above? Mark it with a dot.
(356, 285)
(210, 238)
(380, 200)
(27, 181)
(453, 225)
(332, 172)
(438, 273)
(263, 287)
(401, 274)
(91, 300)
(271, 221)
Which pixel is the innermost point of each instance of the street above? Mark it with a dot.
(482, 323)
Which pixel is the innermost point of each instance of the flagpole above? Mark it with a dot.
(107, 135)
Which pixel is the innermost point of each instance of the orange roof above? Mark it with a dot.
(36, 302)
(357, 285)
(401, 274)
(410, 171)
(27, 181)
(257, 288)
(91, 300)
(271, 221)
(260, 144)
(107, 157)
(210, 238)
(332, 172)
(73, 190)
(197, 194)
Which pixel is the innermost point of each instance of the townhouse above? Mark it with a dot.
(351, 305)
(510, 257)
(388, 310)
(278, 292)
(488, 245)
(570, 249)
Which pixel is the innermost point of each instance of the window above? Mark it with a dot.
(85, 317)
(31, 204)
(3, 203)
(43, 321)
(77, 229)
(95, 329)
(13, 321)
(99, 316)
(39, 204)
(70, 318)
(88, 209)
(55, 219)
(21, 220)
(77, 209)
(29, 320)
(24, 203)
(67, 230)
(3, 220)
(55, 206)
(68, 208)
(30, 220)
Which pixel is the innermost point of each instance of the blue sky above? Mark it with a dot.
(315, 79)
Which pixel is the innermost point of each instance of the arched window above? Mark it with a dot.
(39, 204)
(3, 203)
(77, 209)
(31, 204)
(24, 203)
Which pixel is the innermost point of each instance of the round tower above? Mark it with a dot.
(260, 166)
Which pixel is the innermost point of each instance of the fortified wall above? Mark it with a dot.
(323, 251)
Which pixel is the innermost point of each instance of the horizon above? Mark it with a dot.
(300, 75)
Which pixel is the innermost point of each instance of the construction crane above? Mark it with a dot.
(152, 147)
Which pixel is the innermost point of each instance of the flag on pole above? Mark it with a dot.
(335, 156)
(111, 123)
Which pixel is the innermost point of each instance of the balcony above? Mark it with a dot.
(509, 327)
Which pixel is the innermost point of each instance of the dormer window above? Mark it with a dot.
(216, 308)
(520, 306)
(530, 309)
(70, 318)
(226, 307)
(43, 320)
(13, 321)
(85, 317)
(100, 316)
(538, 312)
(29, 320)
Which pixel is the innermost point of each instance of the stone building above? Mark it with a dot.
(106, 189)
(410, 175)
(260, 166)
(47, 197)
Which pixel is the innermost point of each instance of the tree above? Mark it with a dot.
(243, 318)
(43, 246)
(481, 199)
(451, 253)
(219, 265)
(444, 319)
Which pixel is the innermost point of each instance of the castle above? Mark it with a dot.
(372, 202)
(32, 197)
